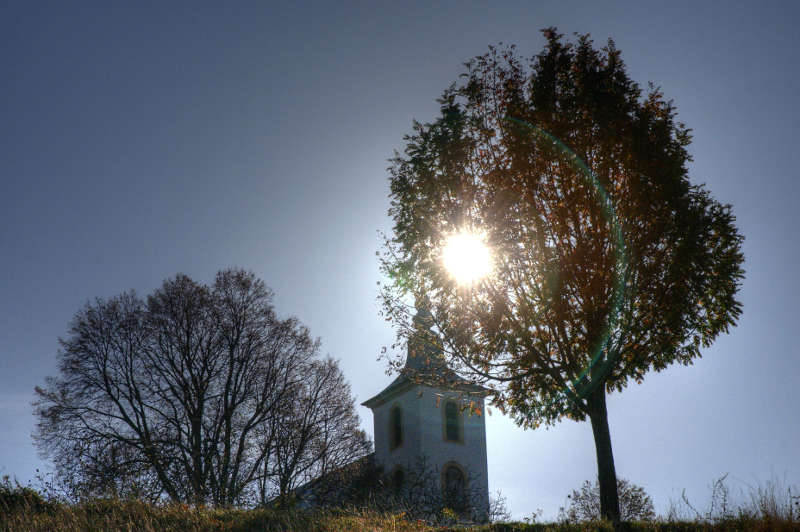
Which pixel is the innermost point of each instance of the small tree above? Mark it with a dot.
(608, 262)
(584, 503)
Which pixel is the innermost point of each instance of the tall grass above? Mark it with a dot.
(773, 504)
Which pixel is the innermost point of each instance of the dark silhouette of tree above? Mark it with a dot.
(602, 272)
(174, 396)
(314, 433)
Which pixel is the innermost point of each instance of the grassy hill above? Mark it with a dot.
(25, 510)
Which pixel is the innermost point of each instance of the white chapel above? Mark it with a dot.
(429, 413)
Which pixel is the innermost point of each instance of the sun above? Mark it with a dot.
(467, 257)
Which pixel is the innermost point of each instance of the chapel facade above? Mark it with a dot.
(430, 417)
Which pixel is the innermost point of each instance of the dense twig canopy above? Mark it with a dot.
(505, 158)
(186, 396)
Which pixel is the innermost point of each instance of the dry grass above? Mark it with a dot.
(135, 516)
(24, 510)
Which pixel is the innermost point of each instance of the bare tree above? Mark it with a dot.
(260, 374)
(316, 432)
(176, 390)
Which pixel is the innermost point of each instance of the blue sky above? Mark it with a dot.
(142, 140)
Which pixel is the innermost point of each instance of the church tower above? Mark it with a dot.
(430, 415)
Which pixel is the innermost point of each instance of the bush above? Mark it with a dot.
(17, 498)
(584, 504)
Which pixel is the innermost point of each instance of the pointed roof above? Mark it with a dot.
(425, 364)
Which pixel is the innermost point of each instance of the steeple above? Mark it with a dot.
(424, 356)
(425, 362)
(431, 417)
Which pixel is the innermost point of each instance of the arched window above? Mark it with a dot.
(395, 428)
(454, 487)
(452, 422)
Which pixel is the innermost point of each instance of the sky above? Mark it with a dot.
(140, 140)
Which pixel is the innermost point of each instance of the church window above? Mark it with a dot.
(452, 422)
(395, 428)
(454, 487)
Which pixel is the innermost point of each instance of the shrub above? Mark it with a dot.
(14, 498)
(584, 504)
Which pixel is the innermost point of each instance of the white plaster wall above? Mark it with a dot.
(423, 435)
(407, 453)
(471, 454)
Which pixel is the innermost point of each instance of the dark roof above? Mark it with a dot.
(339, 477)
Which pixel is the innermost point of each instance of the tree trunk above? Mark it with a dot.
(606, 474)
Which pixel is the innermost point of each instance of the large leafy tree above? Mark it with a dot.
(607, 261)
